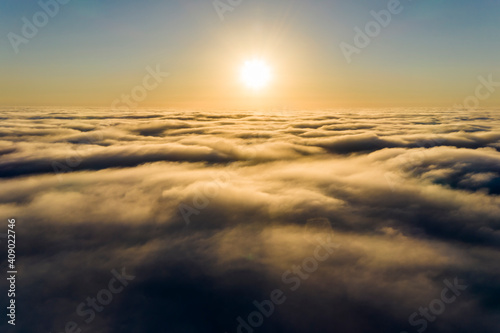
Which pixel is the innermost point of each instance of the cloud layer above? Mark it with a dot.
(209, 210)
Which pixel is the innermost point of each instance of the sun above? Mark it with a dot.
(256, 74)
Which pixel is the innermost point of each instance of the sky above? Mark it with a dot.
(251, 166)
(90, 53)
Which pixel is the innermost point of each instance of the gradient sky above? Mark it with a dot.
(92, 52)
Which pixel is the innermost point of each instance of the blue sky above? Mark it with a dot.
(91, 50)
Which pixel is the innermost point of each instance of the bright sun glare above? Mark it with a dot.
(256, 74)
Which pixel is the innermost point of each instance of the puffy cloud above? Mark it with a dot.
(213, 211)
